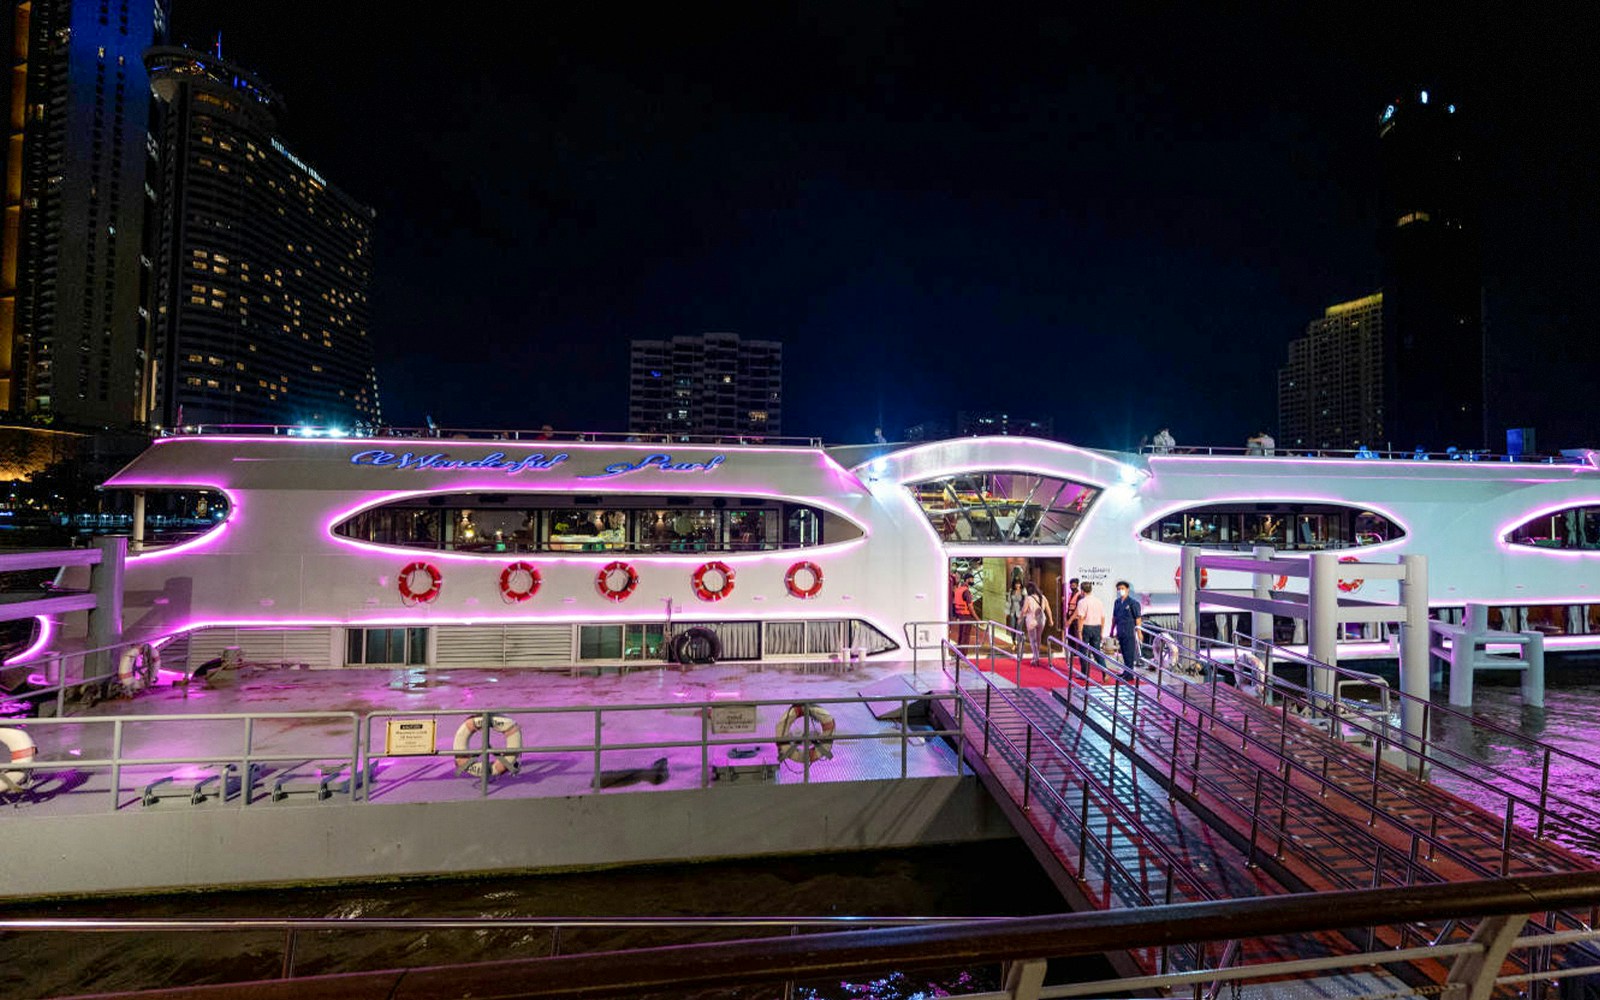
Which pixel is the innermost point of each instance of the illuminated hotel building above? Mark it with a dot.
(1433, 287)
(264, 266)
(1330, 394)
(75, 282)
(715, 384)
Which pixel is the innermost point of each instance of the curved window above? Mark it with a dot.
(513, 522)
(1284, 526)
(1573, 528)
(1007, 508)
(171, 516)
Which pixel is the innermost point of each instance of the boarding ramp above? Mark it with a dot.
(1204, 789)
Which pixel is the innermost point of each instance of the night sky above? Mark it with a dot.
(1117, 220)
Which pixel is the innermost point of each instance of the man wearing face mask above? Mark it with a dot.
(1126, 617)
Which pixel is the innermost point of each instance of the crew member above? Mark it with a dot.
(1126, 617)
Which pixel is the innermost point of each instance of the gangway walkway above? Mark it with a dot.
(1156, 787)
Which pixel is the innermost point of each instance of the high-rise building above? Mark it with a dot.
(714, 384)
(74, 276)
(263, 265)
(1330, 394)
(981, 423)
(1433, 286)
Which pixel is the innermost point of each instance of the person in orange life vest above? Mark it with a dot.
(964, 605)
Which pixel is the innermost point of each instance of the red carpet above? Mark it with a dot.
(1034, 676)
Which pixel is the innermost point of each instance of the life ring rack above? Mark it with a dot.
(811, 748)
(791, 580)
(19, 750)
(602, 581)
(720, 568)
(410, 594)
(499, 763)
(508, 576)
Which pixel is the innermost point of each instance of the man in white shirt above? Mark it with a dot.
(1091, 619)
(1163, 442)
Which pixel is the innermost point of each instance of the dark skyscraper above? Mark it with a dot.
(264, 266)
(710, 384)
(74, 278)
(1433, 286)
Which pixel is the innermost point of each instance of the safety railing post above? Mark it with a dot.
(705, 748)
(1506, 836)
(1172, 763)
(483, 758)
(905, 722)
(805, 747)
(289, 943)
(598, 723)
(116, 764)
(1027, 766)
(1255, 820)
(1544, 794)
(987, 690)
(244, 766)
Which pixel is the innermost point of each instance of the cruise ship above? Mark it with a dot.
(511, 549)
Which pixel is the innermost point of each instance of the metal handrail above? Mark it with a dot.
(1427, 751)
(1024, 940)
(806, 738)
(367, 429)
(1281, 451)
(1106, 798)
(1244, 737)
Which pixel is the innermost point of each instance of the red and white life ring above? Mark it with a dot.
(602, 581)
(722, 570)
(1350, 586)
(510, 590)
(16, 747)
(1177, 577)
(791, 580)
(1280, 583)
(410, 592)
(796, 747)
(499, 763)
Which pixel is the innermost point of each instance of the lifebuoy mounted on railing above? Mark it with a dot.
(499, 763)
(791, 580)
(1350, 586)
(604, 579)
(414, 590)
(137, 667)
(519, 582)
(16, 747)
(795, 747)
(724, 574)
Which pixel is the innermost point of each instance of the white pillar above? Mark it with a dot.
(105, 583)
(1261, 621)
(1188, 592)
(137, 545)
(1414, 639)
(1323, 627)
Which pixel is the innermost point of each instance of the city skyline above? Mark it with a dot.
(903, 207)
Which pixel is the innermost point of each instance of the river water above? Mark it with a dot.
(991, 879)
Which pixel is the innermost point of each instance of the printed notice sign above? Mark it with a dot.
(410, 736)
(732, 720)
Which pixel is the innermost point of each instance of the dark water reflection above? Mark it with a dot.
(992, 879)
(1569, 721)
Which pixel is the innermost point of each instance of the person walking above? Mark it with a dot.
(1035, 616)
(1091, 623)
(1014, 602)
(1126, 618)
(1069, 611)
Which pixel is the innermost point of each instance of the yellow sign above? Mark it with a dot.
(410, 736)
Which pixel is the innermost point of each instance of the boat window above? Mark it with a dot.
(171, 516)
(1009, 508)
(497, 523)
(1573, 528)
(1284, 526)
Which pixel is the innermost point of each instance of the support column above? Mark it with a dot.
(1323, 626)
(137, 545)
(1188, 591)
(105, 621)
(1414, 657)
(1261, 621)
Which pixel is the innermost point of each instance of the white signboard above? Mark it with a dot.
(732, 720)
(410, 736)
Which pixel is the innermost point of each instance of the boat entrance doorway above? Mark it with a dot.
(991, 587)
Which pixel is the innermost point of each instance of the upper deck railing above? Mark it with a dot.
(367, 430)
(1571, 456)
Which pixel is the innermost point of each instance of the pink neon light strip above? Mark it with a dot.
(47, 631)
